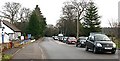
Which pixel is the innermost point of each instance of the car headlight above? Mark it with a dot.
(98, 45)
(82, 42)
(114, 45)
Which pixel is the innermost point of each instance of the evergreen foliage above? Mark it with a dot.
(37, 23)
(91, 19)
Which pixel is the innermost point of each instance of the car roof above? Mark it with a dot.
(96, 34)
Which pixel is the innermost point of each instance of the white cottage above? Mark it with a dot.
(9, 29)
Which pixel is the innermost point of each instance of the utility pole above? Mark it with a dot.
(78, 26)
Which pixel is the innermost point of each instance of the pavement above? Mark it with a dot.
(32, 51)
(12, 51)
(29, 51)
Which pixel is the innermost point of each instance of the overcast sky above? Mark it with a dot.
(51, 9)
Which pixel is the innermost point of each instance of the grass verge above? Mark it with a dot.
(117, 41)
(6, 57)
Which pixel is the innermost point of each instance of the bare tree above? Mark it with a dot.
(80, 7)
(74, 11)
(114, 28)
(24, 14)
(10, 11)
(68, 12)
(14, 12)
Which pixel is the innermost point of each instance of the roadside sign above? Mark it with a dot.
(29, 36)
(2, 38)
(22, 37)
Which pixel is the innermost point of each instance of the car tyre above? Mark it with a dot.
(67, 42)
(76, 45)
(95, 51)
(80, 45)
(86, 48)
(113, 52)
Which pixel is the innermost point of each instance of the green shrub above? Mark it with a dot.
(6, 57)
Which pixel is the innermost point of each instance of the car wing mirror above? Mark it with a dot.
(92, 39)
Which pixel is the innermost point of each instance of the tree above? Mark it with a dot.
(114, 25)
(24, 14)
(72, 14)
(10, 11)
(51, 31)
(14, 12)
(37, 23)
(79, 8)
(91, 19)
(41, 20)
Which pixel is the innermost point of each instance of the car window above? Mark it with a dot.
(83, 38)
(91, 38)
(72, 38)
(102, 38)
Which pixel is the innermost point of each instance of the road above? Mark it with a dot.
(57, 50)
(53, 49)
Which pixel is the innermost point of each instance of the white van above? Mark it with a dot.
(60, 37)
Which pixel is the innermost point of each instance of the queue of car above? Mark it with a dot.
(95, 41)
(81, 42)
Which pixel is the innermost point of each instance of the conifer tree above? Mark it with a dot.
(37, 23)
(91, 19)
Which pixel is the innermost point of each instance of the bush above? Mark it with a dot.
(32, 38)
(117, 41)
(6, 57)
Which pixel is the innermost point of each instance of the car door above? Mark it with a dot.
(91, 42)
(88, 42)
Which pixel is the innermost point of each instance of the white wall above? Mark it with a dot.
(6, 37)
(7, 29)
(12, 34)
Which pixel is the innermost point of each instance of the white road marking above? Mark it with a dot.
(43, 56)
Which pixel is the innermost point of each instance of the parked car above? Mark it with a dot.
(81, 42)
(65, 39)
(55, 37)
(60, 37)
(100, 43)
(72, 40)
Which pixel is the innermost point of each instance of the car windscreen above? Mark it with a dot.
(72, 38)
(83, 38)
(102, 38)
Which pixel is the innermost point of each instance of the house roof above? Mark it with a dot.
(11, 26)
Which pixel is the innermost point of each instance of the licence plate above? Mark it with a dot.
(73, 42)
(108, 48)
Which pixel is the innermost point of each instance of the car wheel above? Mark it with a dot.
(67, 42)
(80, 45)
(86, 48)
(113, 52)
(76, 45)
(95, 51)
